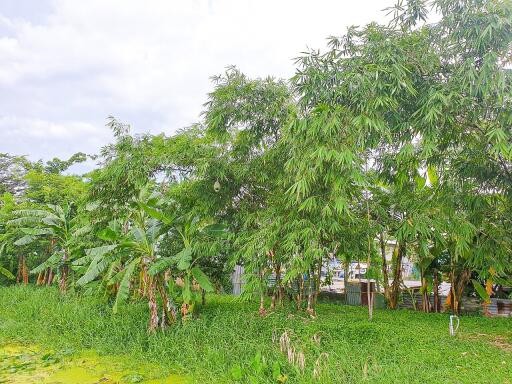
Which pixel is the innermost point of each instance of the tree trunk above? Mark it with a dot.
(274, 268)
(63, 279)
(203, 297)
(369, 293)
(50, 277)
(279, 285)
(425, 299)
(300, 290)
(458, 282)
(153, 307)
(263, 292)
(435, 288)
(385, 273)
(346, 267)
(261, 310)
(274, 288)
(144, 281)
(22, 275)
(317, 281)
(397, 275)
(64, 273)
(311, 294)
(44, 277)
(168, 307)
(488, 289)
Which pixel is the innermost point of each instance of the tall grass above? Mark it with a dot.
(229, 342)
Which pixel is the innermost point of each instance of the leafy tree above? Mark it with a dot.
(57, 166)
(62, 227)
(51, 188)
(12, 172)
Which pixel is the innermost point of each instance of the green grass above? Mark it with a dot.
(227, 336)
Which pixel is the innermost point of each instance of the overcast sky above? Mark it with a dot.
(65, 65)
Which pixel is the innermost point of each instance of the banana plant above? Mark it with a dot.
(59, 224)
(4, 271)
(190, 232)
(129, 251)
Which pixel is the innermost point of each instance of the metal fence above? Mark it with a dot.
(497, 307)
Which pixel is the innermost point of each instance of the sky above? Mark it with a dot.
(66, 65)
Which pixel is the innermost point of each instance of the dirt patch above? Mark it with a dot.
(501, 342)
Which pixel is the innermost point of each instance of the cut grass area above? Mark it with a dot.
(227, 337)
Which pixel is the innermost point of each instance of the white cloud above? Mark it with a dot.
(42, 139)
(146, 62)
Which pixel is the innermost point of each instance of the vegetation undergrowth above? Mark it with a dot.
(229, 342)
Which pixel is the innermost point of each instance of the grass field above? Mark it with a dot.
(229, 342)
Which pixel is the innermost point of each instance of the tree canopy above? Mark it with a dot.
(396, 132)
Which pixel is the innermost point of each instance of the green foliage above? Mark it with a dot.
(396, 132)
(202, 279)
(57, 166)
(124, 287)
(6, 273)
(53, 188)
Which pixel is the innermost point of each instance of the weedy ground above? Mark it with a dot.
(229, 342)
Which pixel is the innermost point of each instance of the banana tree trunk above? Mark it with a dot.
(144, 281)
(153, 307)
(203, 297)
(64, 273)
(169, 309)
(22, 275)
(43, 277)
(50, 277)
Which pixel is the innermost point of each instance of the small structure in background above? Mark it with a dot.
(237, 280)
(500, 307)
(357, 293)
